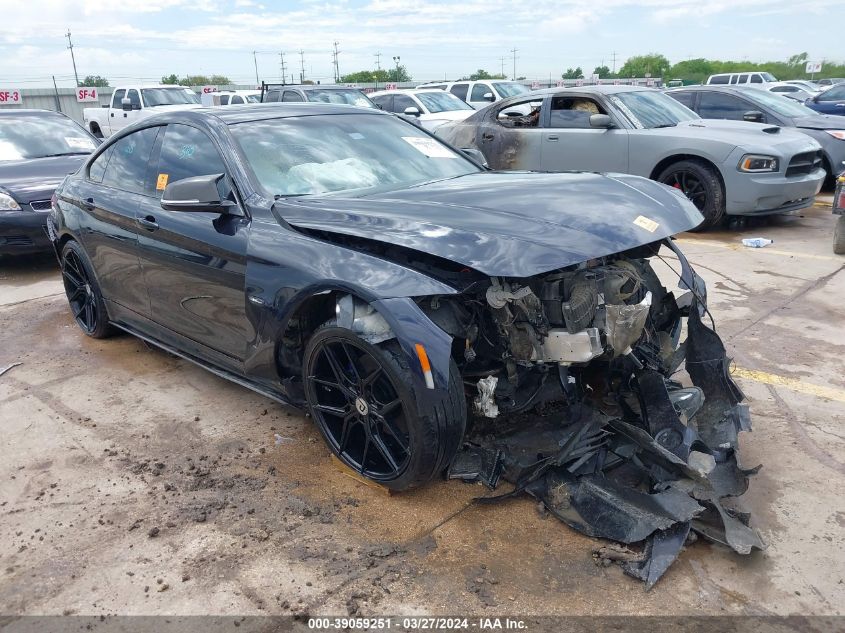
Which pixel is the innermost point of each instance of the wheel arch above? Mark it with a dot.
(676, 158)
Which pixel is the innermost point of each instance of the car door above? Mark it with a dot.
(292, 96)
(113, 189)
(116, 112)
(476, 96)
(460, 90)
(126, 117)
(194, 262)
(570, 142)
(384, 102)
(511, 139)
(831, 101)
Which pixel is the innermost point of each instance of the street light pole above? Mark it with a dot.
(73, 59)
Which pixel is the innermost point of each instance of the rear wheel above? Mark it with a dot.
(839, 236)
(699, 182)
(364, 400)
(83, 294)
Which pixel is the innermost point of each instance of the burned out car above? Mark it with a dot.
(431, 315)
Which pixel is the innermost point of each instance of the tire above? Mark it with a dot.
(409, 449)
(839, 236)
(83, 293)
(95, 130)
(700, 182)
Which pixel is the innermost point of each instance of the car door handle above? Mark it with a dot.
(112, 114)
(552, 137)
(124, 115)
(88, 204)
(486, 136)
(148, 222)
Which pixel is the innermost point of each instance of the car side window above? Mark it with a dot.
(400, 102)
(837, 93)
(460, 91)
(384, 102)
(756, 79)
(272, 96)
(743, 79)
(734, 79)
(573, 112)
(224, 99)
(292, 95)
(117, 97)
(237, 99)
(129, 157)
(718, 79)
(715, 105)
(524, 113)
(134, 99)
(478, 92)
(685, 98)
(98, 167)
(186, 152)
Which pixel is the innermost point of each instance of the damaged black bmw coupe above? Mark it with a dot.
(433, 316)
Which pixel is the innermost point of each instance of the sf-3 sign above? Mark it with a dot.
(10, 96)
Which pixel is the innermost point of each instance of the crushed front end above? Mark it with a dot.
(588, 397)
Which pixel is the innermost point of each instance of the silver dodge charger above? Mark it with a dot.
(723, 167)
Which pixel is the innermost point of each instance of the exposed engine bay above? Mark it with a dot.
(586, 397)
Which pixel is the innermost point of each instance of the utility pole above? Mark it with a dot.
(336, 65)
(255, 61)
(396, 59)
(378, 66)
(73, 59)
(502, 59)
(514, 52)
(301, 65)
(613, 56)
(282, 57)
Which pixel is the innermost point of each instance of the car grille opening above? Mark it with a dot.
(804, 163)
(16, 240)
(40, 205)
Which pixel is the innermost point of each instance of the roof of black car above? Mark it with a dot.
(263, 112)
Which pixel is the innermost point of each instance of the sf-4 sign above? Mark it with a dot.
(87, 94)
(10, 96)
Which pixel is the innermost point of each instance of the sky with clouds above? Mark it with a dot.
(145, 39)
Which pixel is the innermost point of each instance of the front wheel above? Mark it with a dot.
(364, 400)
(699, 182)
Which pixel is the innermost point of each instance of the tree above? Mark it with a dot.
(365, 77)
(220, 80)
(602, 71)
(196, 80)
(398, 74)
(798, 60)
(577, 73)
(641, 65)
(95, 80)
(170, 80)
(695, 70)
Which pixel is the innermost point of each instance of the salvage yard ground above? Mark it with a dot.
(132, 482)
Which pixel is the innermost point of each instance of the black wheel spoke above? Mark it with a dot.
(338, 411)
(348, 423)
(72, 278)
(371, 377)
(335, 366)
(350, 359)
(89, 314)
(384, 452)
(396, 435)
(390, 407)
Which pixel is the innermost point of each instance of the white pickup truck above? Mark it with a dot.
(128, 104)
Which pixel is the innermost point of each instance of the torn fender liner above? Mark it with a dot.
(661, 551)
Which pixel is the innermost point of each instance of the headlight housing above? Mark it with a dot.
(758, 163)
(8, 203)
(840, 134)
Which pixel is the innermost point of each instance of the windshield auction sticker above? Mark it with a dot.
(161, 182)
(76, 142)
(429, 147)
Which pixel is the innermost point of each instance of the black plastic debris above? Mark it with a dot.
(656, 464)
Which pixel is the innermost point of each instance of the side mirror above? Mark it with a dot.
(753, 116)
(488, 96)
(601, 120)
(412, 111)
(196, 194)
(475, 156)
(125, 103)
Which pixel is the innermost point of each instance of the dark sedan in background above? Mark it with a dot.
(830, 101)
(38, 148)
(752, 104)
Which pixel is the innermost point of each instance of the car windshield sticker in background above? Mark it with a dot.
(161, 183)
(627, 112)
(78, 142)
(429, 147)
(187, 151)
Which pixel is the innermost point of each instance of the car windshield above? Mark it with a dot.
(776, 102)
(296, 156)
(441, 102)
(348, 97)
(23, 137)
(768, 77)
(253, 98)
(168, 96)
(651, 109)
(509, 88)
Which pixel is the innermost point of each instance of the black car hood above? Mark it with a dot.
(509, 224)
(37, 178)
(820, 122)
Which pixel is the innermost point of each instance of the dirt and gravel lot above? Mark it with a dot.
(132, 482)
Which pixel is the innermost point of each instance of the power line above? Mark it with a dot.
(73, 59)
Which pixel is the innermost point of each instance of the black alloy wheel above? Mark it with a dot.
(83, 293)
(700, 183)
(358, 408)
